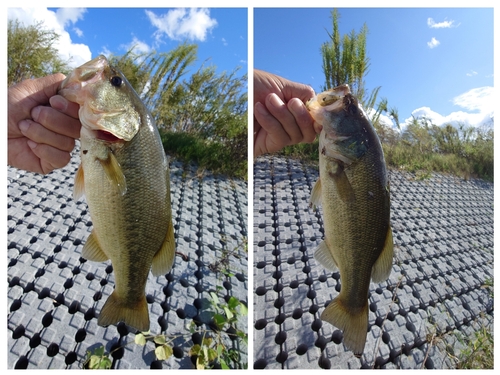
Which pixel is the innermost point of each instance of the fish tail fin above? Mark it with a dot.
(353, 323)
(118, 310)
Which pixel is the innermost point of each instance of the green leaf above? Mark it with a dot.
(220, 320)
(214, 298)
(163, 352)
(140, 339)
(228, 312)
(243, 309)
(223, 364)
(160, 339)
(233, 302)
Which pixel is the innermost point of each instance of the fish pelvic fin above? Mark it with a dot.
(383, 266)
(323, 256)
(92, 250)
(114, 172)
(79, 187)
(315, 199)
(353, 323)
(163, 260)
(118, 310)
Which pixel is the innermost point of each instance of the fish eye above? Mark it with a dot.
(116, 81)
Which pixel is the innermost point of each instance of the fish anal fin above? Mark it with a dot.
(323, 256)
(117, 310)
(92, 250)
(79, 186)
(383, 266)
(163, 260)
(114, 172)
(315, 199)
(353, 323)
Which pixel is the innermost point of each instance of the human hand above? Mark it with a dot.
(280, 116)
(42, 126)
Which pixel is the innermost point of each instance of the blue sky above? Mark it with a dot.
(434, 62)
(221, 34)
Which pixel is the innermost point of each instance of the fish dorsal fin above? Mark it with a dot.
(315, 199)
(163, 260)
(383, 266)
(79, 187)
(323, 256)
(114, 172)
(92, 251)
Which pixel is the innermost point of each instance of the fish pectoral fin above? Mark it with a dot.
(353, 323)
(114, 172)
(315, 199)
(163, 260)
(92, 250)
(383, 266)
(79, 187)
(344, 187)
(323, 256)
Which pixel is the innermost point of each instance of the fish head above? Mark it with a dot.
(346, 130)
(109, 106)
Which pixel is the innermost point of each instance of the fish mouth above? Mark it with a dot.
(328, 100)
(85, 74)
(107, 136)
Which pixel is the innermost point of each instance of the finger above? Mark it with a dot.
(280, 111)
(50, 157)
(40, 134)
(64, 105)
(271, 137)
(46, 87)
(56, 121)
(303, 119)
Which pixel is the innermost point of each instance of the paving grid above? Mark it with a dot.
(54, 296)
(443, 234)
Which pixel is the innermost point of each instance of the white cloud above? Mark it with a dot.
(66, 16)
(224, 41)
(433, 43)
(478, 105)
(440, 25)
(178, 24)
(77, 54)
(480, 99)
(471, 73)
(137, 45)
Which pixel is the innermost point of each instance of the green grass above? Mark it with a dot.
(225, 158)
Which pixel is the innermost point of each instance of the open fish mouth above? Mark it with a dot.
(328, 100)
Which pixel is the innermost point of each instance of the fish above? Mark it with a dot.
(125, 178)
(353, 190)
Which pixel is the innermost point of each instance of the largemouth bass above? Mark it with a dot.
(353, 189)
(124, 175)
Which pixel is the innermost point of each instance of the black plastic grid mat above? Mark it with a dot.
(443, 234)
(54, 296)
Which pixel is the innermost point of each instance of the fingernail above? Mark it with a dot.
(23, 126)
(35, 112)
(275, 100)
(259, 107)
(58, 102)
(295, 106)
(32, 144)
